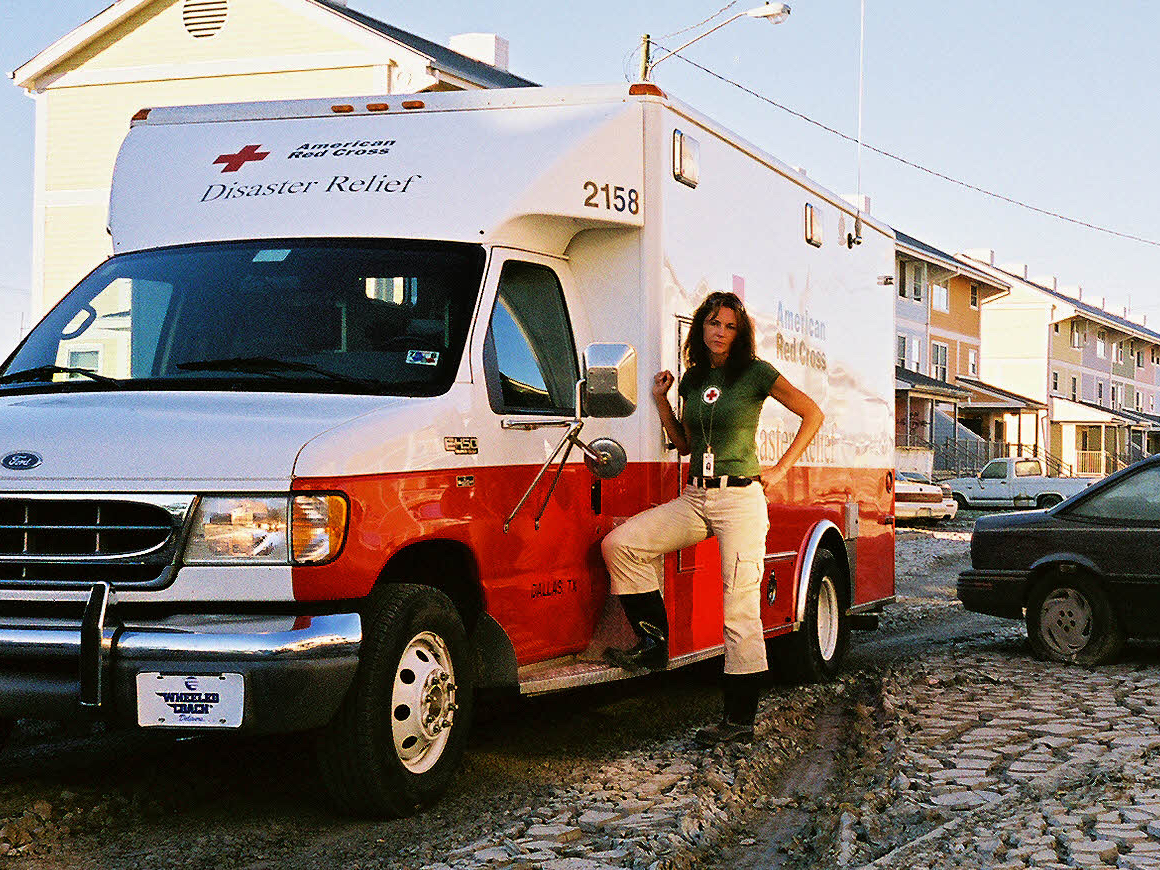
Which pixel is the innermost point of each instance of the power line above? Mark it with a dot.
(919, 166)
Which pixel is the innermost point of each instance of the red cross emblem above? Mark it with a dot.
(711, 395)
(234, 162)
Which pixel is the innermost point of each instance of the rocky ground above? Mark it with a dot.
(946, 744)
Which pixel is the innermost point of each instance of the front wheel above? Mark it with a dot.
(1048, 501)
(961, 502)
(1071, 620)
(814, 652)
(400, 734)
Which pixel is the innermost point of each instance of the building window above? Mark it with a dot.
(1151, 403)
(1076, 335)
(975, 296)
(915, 280)
(1155, 356)
(1102, 344)
(972, 361)
(1118, 349)
(1139, 359)
(938, 360)
(1074, 389)
(1055, 328)
(901, 352)
(1055, 382)
(1139, 401)
(88, 359)
(940, 297)
(1100, 392)
(1115, 395)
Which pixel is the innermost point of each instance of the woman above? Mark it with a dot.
(723, 391)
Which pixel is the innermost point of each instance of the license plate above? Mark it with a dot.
(190, 700)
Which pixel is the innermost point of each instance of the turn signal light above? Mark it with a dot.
(318, 526)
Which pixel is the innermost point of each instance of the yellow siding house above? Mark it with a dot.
(141, 53)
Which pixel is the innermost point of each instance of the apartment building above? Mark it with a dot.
(941, 402)
(1098, 371)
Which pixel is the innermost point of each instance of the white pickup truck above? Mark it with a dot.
(1014, 482)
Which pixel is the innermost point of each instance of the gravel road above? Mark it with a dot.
(586, 780)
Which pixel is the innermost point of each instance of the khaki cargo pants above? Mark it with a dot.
(737, 516)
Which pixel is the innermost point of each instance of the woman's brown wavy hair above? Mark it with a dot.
(741, 353)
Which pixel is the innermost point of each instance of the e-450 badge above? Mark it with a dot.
(461, 445)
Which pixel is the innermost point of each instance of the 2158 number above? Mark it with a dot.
(612, 198)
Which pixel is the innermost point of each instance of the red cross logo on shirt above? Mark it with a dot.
(234, 162)
(711, 395)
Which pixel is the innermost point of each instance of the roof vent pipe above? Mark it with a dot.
(1051, 282)
(1019, 270)
(983, 255)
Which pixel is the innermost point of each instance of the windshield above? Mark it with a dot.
(319, 315)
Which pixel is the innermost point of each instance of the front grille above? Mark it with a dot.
(85, 539)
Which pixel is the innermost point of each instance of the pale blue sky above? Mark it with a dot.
(1053, 103)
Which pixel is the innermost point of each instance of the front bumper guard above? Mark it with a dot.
(295, 678)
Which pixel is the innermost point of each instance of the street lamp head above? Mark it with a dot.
(774, 13)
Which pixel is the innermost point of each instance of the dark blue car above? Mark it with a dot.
(1086, 572)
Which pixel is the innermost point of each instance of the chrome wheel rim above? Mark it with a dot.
(828, 617)
(423, 702)
(1065, 621)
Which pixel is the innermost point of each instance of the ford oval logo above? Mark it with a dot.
(21, 460)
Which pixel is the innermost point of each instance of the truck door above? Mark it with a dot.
(545, 585)
(994, 488)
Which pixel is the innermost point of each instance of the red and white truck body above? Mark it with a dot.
(375, 414)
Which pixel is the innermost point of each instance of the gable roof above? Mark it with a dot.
(440, 58)
(919, 249)
(907, 381)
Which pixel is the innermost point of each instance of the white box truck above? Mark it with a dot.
(329, 442)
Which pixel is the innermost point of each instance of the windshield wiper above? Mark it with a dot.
(43, 372)
(275, 368)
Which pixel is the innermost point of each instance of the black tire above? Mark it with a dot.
(383, 755)
(815, 652)
(1048, 501)
(961, 502)
(6, 726)
(1069, 619)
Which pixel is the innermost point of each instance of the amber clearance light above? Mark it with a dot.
(317, 528)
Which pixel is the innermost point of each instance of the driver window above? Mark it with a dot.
(1134, 499)
(994, 471)
(529, 357)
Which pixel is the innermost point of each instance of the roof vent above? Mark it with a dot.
(204, 18)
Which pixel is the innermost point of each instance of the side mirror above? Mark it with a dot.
(609, 380)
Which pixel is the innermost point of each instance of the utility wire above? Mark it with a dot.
(918, 166)
(724, 8)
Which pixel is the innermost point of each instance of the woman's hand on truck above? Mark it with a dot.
(662, 383)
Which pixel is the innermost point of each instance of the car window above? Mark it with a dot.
(1027, 468)
(1133, 499)
(530, 358)
(995, 470)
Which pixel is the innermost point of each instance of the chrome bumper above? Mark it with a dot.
(295, 677)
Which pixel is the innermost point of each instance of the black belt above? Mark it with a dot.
(718, 482)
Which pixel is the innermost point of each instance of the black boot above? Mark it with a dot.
(646, 614)
(740, 695)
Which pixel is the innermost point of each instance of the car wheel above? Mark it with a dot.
(961, 502)
(1071, 620)
(400, 734)
(1048, 501)
(815, 652)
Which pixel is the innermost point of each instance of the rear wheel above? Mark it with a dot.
(961, 502)
(814, 653)
(399, 736)
(1048, 501)
(1071, 620)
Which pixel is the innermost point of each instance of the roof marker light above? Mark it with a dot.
(342, 109)
(644, 89)
(377, 107)
(413, 104)
(142, 114)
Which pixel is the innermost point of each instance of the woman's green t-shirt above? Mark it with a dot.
(725, 416)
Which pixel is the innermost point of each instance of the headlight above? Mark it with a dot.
(267, 530)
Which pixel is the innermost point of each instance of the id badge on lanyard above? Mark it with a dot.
(707, 462)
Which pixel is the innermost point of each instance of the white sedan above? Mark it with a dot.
(917, 498)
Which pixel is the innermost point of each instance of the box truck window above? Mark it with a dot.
(315, 315)
(529, 356)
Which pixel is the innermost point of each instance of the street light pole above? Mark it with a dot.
(772, 12)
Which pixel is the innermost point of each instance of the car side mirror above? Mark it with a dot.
(609, 380)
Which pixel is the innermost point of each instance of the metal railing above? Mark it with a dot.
(965, 458)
